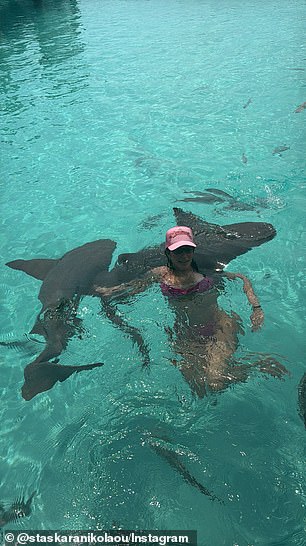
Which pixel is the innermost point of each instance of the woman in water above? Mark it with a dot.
(203, 334)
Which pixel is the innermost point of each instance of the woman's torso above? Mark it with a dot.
(202, 285)
(194, 296)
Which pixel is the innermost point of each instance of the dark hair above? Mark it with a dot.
(170, 264)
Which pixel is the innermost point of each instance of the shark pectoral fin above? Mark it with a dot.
(251, 233)
(38, 328)
(41, 376)
(37, 268)
(77, 369)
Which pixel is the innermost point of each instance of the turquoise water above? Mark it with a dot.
(110, 112)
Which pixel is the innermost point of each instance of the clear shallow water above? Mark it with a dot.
(110, 111)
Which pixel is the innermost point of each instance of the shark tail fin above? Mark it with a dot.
(42, 376)
(37, 268)
(27, 508)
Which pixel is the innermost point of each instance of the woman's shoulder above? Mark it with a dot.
(158, 273)
(198, 277)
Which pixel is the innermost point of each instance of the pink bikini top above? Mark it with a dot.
(202, 286)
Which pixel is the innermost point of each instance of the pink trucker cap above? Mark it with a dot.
(179, 236)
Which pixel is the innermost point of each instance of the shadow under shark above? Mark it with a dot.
(67, 279)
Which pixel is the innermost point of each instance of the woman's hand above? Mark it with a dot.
(272, 367)
(103, 291)
(257, 318)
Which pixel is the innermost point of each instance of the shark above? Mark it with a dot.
(67, 279)
(300, 108)
(216, 196)
(216, 245)
(302, 399)
(173, 459)
(18, 509)
(279, 149)
(247, 103)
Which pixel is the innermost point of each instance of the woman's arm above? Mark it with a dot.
(257, 316)
(130, 288)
